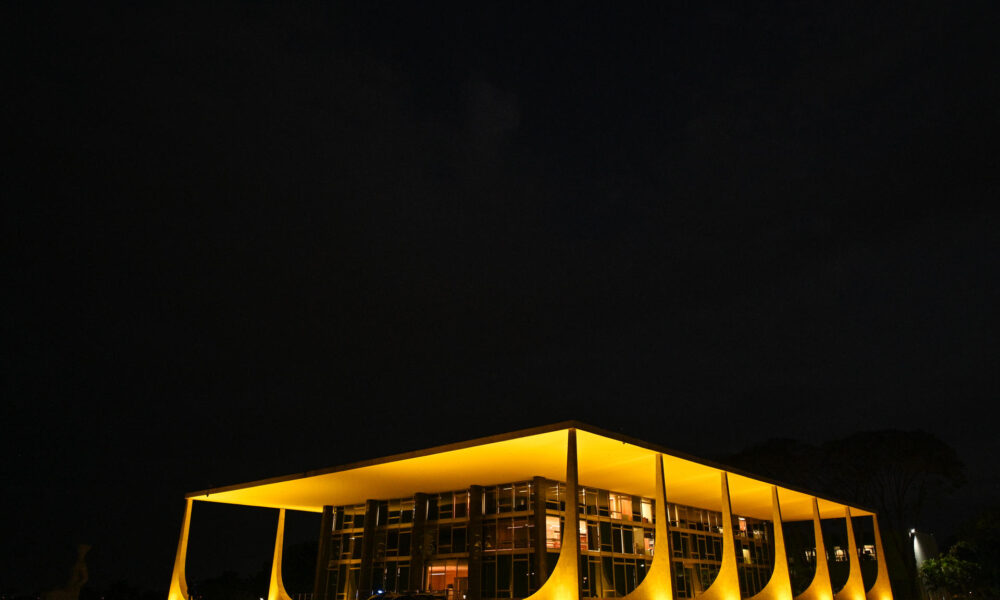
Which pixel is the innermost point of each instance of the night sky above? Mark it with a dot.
(249, 239)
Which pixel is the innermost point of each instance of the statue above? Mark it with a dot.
(77, 577)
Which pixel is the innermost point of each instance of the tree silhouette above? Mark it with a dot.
(896, 473)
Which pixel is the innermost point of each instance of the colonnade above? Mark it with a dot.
(564, 582)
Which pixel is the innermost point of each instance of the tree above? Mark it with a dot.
(970, 567)
(896, 473)
(949, 573)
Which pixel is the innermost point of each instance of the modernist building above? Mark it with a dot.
(564, 512)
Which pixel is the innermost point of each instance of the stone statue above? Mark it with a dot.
(77, 577)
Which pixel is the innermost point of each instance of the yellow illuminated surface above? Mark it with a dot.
(727, 583)
(820, 588)
(779, 587)
(657, 584)
(564, 582)
(881, 589)
(276, 589)
(580, 455)
(606, 461)
(178, 582)
(854, 589)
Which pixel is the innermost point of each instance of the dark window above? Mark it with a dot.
(392, 542)
(620, 581)
(605, 536)
(593, 540)
(444, 539)
(489, 582)
(505, 499)
(504, 565)
(404, 577)
(458, 539)
(628, 546)
(522, 577)
(446, 505)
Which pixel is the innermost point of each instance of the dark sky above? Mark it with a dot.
(248, 239)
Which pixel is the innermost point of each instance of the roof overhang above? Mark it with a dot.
(606, 460)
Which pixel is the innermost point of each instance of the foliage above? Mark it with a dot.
(949, 573)
(970, 567)
(896, 473)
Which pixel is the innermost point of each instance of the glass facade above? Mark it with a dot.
(502, 542)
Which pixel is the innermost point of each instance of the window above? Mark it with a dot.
(505, 499)
(406, 511)
(553, 531)
(621, 506)
(446, 505)
(553, 497)
(593, 539)
(605, 529)
(522, 497)
(647, 511)
(442, 575)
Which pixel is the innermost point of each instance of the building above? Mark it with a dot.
(485, 520)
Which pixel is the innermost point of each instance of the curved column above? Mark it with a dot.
(881, 590)
(854, 589)
(564, 583)
(727, 583)
(820, 588)
(779, 587)
(658, 582)
(276, 589)
(178, 581)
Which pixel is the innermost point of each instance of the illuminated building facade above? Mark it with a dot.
(488, 520)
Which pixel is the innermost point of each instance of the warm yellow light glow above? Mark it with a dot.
(564, 582)
(854, 589)
(820, 588)
(578, 455)
(727, 583)
(658, 585)
(779, 587)
(881, 590)
(605, 462)
(178, 581)
(276, 589)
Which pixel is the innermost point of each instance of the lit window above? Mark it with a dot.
(647, 512)
(447, 574)
(621, 506)
(552, 532)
